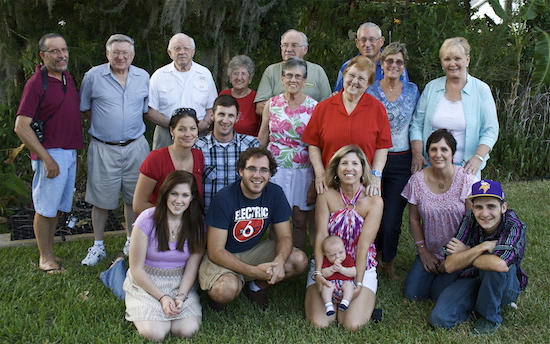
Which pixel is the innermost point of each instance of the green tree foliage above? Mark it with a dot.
(505, 56)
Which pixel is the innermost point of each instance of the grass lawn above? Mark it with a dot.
(75, 307)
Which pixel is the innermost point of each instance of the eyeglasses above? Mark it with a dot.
(289, 76)
(182, 111)
(177, 49)
(291, 45)
(125, 53)
(353, 76)
(371, 40)
(399, 63)
(56, 51)
(237, 74)
(253, 170)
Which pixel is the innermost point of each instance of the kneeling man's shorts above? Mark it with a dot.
(209, 272)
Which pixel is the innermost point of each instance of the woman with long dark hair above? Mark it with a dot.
(168, 242)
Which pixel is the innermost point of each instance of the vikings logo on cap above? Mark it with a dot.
(488, 188)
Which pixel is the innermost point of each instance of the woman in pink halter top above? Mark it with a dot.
(347, 211)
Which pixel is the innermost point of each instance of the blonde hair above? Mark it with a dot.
(335, 161)
(460, 42)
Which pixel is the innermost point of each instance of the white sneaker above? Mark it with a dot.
(95, 254)
(126, 248)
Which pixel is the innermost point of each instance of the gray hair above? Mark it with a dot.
(455, 41)
(42, 41)
(368, 25)
(304, 37)
(190, 39)
(394, 48)
(118, 38)
(238, 62)
(295, 62)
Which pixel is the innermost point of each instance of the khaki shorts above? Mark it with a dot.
(209, 272)
(112, 170)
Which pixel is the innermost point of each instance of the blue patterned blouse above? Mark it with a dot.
(399, 112)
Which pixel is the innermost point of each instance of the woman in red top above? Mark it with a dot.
(240, 72)
(184, 128)
(350, 117)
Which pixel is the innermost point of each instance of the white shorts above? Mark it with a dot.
(370, 278)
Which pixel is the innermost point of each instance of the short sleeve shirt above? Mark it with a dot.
(245, 219)
(170, 259)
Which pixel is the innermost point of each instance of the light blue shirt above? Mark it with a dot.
(399, 112)
(116, 112)
(479, 112)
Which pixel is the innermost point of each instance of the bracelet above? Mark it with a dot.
(421, 246)
(160, 298)
(182, 294)
(315, 273)
(359, 284)
(480, 157)
(419, 242)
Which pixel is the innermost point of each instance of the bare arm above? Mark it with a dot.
(315, 156)
(189, 277)
(157, 118)
(350, 271)
(418, 160)
(28, 137)
(368, 234)
(378, 163)
(260, 107)
(138, 251)
(429, 261)
(472, 166)
(217, 238)
(87, 114)
(204, 124)
(263, 134)
(282, 250)
(322, 214)
(144, 189)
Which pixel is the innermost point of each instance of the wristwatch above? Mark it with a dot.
(377, 174)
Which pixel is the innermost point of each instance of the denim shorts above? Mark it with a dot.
(51, 195)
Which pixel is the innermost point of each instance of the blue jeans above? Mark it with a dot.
(114, 278)
(485, 294)
(421, 285)
(395, 176)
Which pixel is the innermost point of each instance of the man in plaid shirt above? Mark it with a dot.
(488, 248)
(222, 147)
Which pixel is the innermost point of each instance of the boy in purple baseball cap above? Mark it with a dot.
(488, 248)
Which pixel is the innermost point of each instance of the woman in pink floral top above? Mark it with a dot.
(283, 123)
(437, 203)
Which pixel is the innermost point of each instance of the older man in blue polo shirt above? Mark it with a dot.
(369, 42)
(114, 96)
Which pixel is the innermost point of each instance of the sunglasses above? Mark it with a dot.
(182, 111)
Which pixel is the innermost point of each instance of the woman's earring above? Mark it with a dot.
(362, 179)
(336, 178)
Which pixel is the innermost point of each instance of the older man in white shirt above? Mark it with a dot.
(182, 83)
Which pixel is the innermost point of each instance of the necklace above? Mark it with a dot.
(442, 185)
(179, 165)
(173, 231)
